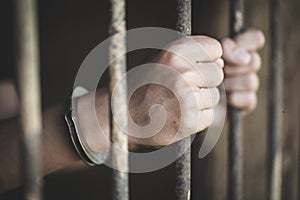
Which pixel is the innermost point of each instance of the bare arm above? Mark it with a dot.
(56, 148)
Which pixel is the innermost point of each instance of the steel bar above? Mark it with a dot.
(236, 145)
(275, 103)
(29, 84)
(117, 69)
(183, 164)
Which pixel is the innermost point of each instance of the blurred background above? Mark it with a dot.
(69, 29)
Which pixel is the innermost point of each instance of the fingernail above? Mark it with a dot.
(241, 56)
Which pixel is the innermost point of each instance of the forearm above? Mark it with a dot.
(55, 149)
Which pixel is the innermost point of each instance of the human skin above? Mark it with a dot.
(241, 82)
(242, 62)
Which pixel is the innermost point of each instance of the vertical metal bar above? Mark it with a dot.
(236, 145)
(183, 164)
(29, 84)
(275, 103)
(117, 69)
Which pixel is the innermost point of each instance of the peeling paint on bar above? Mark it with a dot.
(29, 84)
(183, 164)
(117, 69)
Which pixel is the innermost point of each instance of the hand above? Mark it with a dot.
(187, 113)
(198, 76)
(242, 62)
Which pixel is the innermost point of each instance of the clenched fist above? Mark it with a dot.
(242, 63)
(189, 69)
(191, 92)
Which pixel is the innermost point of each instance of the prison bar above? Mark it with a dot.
(275, 103)
(117, 69)
(183, 164)
(29, 84)
(236, 144)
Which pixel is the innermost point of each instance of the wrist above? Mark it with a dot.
(93, 120)
(88, 135)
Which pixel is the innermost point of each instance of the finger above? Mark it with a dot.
(250, 40)
(207, 98)
(199, 99)
(248, 82)
(212, 46)
(233, 55)
(206, 119)
(182, 65)
(196, 49)
(206, 75)
(243, 100)
(254, 66)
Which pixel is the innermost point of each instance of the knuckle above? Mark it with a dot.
(211, 44)
(164, 57)
(172, 59)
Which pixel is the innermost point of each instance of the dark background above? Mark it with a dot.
(69, 29)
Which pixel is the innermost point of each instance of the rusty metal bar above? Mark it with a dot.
(183, 164)
(236, 145)
(29, 84)
(117, 69)
(275, 103)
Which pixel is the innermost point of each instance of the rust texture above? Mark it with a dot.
(29, 84)
(117, 69)
(275, 104)
(236, 144)
(183, 164)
